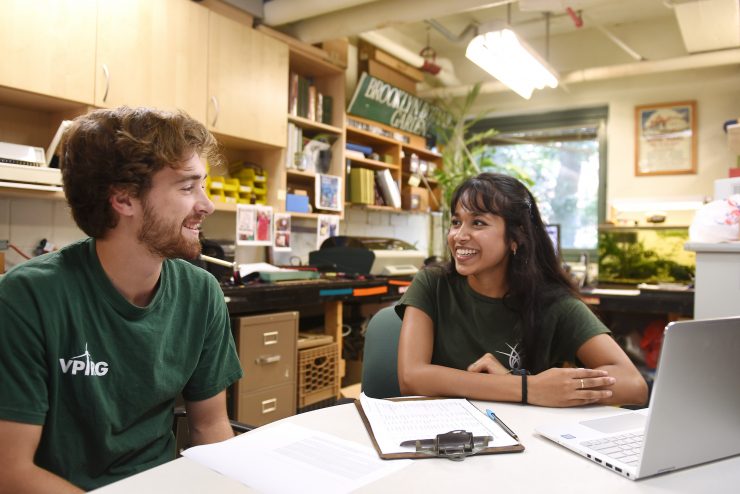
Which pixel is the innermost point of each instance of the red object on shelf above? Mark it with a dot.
(734, 172)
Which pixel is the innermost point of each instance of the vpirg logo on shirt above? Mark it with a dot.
(83, 365)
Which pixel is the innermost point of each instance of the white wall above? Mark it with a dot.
(717, 95)
(25, 222)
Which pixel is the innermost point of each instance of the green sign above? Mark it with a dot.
(377, 100)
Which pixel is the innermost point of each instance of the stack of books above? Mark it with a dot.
(305, 100)
(373, 187)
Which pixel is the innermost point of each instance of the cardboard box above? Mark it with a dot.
(337, 50)
(392, 77)
(415, 199)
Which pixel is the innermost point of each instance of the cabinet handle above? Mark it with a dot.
(106, 73)
(269, 359)
(214, 100)
(270, 338)
(269, 405)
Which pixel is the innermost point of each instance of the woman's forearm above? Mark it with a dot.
(436, 380)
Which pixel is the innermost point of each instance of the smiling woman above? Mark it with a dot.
(504, 310)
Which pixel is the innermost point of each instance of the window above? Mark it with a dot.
(563, 153)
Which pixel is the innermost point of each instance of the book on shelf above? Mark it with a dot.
(295, 147)
(305, 100)
(312, 98)
(365, 150)
(351, 153)
(379, 201)
(389, 188)
(326, 109)
(293, 94)
(361, 186)
(319, 116)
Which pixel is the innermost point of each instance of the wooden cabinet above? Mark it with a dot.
(267, 351)
(247, 82)
(312, 81)
(48, 47)
(152, 53)
(410, 165)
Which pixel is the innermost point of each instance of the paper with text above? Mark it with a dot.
(316, 462)
(396, 421)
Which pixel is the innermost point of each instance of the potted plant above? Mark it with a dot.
(465, 153)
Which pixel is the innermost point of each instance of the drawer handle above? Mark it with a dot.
(269, 405)
(270, 338)
(268, 359)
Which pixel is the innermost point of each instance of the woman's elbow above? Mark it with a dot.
(636, 391)
(408, 381)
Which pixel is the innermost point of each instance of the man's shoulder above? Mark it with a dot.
(188, 272)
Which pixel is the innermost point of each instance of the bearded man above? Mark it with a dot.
(99, 338)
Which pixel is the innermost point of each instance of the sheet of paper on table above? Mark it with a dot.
(316, 461)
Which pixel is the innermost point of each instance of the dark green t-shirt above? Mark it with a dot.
(467, 324)
(101, 374)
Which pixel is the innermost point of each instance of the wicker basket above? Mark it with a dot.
(318, 374)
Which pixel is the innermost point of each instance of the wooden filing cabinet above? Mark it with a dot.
(267, 350)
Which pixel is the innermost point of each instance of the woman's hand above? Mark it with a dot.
(569, 387)
(488, 364)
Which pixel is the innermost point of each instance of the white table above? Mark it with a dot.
(543, 467)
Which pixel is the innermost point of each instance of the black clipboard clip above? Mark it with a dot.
(453, 445)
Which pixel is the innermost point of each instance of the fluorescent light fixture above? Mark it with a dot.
(512, 61)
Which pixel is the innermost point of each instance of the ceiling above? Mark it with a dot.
(582, 38)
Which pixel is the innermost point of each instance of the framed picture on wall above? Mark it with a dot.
(665, 139)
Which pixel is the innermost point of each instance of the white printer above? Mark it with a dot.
(368, 255)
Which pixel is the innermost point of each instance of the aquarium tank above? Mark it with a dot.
(652, 255)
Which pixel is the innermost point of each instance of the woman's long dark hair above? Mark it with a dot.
(535, 274)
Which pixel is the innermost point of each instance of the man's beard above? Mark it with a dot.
(166, 239)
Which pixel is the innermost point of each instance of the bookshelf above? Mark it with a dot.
(385, 148)
(315, 115)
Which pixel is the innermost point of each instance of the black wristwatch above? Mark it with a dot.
(524, 373)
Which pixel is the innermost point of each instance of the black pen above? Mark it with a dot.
(501, 424)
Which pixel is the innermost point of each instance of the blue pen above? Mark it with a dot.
(501, 424)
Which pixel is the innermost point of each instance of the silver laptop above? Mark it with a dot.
(694, 414)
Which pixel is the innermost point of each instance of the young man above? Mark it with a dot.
(98, 338)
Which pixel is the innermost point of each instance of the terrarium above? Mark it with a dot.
(652, 255)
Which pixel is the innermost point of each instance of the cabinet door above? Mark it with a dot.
(247, 82)
(48, 47)
(152, 53)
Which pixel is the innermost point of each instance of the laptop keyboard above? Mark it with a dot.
(624, 447)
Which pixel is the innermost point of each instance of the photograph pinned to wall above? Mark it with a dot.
(665, 139)
(253, 224)
(282, 232)
(329, 192)
(326, 226)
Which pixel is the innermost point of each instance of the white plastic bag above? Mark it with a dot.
(717, 221)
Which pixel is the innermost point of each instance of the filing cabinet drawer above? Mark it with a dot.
(266, 405)
(267, 350)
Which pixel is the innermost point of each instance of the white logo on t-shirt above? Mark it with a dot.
(515, 358)
(85, 367)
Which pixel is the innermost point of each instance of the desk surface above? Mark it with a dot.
(542, 467)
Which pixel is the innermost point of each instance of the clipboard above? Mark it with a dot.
(516, 448)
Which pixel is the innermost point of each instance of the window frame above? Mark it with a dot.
(596, 116)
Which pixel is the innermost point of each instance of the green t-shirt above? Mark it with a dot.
(467, 324)
(101, 374)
